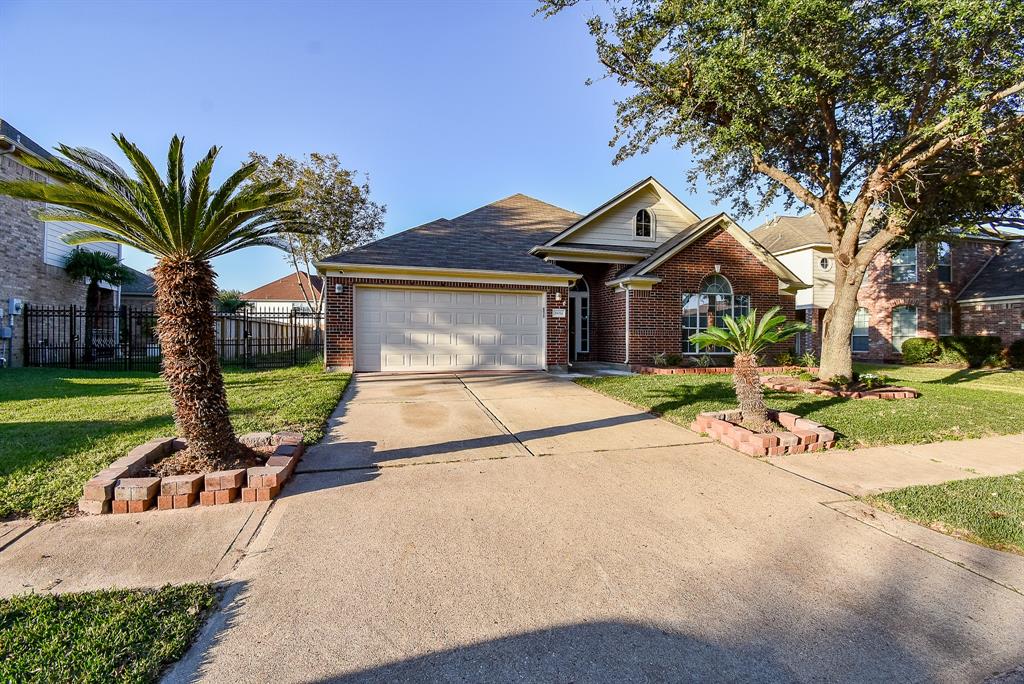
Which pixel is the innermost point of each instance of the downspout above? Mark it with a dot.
(7, 359)
(627, 325)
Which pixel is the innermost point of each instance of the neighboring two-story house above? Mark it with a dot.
(970, 285)
(32, 252)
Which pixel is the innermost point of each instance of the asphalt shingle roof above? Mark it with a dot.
(141, 285)
(12, 133)
(789, 232)
(495, 237)
(286, 289)
(1002, 276)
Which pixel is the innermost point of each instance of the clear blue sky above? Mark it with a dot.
(447, 106)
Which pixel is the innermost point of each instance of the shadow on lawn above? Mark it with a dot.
(32, 444)
(967, 375)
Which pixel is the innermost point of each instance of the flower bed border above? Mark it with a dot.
(121, 488)
(713, 370)
(881, 393)
(798, 436)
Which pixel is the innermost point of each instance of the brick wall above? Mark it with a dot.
(880, 295)
(607, 312)
(338, 310)
(656, 315)
(1005, 320)
(22, 272)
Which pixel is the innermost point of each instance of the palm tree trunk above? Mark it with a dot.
(749, 392)
(185, 291)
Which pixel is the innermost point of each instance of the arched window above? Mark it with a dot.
(707, 307)
(643, 224)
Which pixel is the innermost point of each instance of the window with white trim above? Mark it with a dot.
(643, 224)
(944, 262)
(904, 265)
(859, 340)
(945, 321)
(705, 309)
(904, 325)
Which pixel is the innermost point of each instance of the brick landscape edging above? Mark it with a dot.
(799, 434)
(121, 488)
(881, 393)
(713, 370)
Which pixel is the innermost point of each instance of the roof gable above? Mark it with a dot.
(786, 233)
(670, 212)
(644, 269)
(286, 289)
(1001, 277)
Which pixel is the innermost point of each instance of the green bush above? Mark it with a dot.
(1015, 354)
(806, 377)
(808, 360)
(970, 350)
(705, 361)
(784, 359)
(920, 350)
(839, 380)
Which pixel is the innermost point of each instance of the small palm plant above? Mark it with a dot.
(94, 267)
(746, 338)
(184, 223)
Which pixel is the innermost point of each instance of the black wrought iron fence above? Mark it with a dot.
(125, 338)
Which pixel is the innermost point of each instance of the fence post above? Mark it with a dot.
(245, 337)
(25, 359)
(125, 314)
(72, 330)
(295, 341)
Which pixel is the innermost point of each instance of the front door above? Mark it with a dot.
(579, 324)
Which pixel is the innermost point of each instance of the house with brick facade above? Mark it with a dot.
(520, 284)
(294, 292)
(32, 252)
(960, 285)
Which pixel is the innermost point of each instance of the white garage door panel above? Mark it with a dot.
(424, 330)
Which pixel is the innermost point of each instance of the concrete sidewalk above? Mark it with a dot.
(126, 551)
(878, 469)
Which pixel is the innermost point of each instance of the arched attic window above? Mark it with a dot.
(643, 224)
(707, 307)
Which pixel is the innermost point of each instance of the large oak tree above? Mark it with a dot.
(892, 120)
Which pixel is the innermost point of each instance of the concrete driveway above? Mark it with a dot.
(545, 533)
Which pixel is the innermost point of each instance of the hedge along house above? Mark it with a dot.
(520, 284)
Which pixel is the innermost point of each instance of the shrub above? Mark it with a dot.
(806, 377)
(808, 360)
(1015, 354)
(970, 350)
(660, 360)
(784, 359)
(920, 350)
(668, 360)
(840, 380)
(704, 361)
(873, 381)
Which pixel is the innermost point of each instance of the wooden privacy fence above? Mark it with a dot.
(125, 338)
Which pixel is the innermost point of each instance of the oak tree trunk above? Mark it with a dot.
(749, 392)
(836, 352)
(185, 292)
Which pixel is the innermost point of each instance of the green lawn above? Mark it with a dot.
(59, 427)
(986, 510)
(102, 636)
(954, 404)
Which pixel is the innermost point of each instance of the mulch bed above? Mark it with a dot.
(140, 481)
(787, 383)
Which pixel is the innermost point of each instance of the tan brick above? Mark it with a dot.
(137, 488)
(286, 450)
(267, 476)
(255, 439)
(787, 439)
(94, 507)
(825, 435)
(181, 484)
(788, 420)
(225, 479)
(98, 489)
(291, 438)
(805, 424)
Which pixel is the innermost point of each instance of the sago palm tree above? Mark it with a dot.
(94, 267)
(746, 338)
(184, 223)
